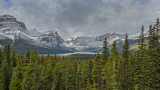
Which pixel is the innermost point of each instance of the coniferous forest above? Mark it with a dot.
(111, 70)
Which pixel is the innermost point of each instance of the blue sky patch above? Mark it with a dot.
(8, 3)
(7, 0)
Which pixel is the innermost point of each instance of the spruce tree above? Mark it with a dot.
(141, 43)
(27, 56)
(157, 60)
(157, 26)
(152, 38)
(90, 71)
(153, 53)
(0, 58)
(17, 75)
(157, 69)
(70, 79)
(13, 58)
(97, 71)
(115, 82)
(34, 57)
(125, 51)
(6, 70)
(140, 59)
(75, 74)
(105, 51)
(125, 65)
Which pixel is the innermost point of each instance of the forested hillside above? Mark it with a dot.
(107, 71)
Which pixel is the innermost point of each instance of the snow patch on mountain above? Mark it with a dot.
(9, 26)
(34, 32)
(82, 43)
(50, 39)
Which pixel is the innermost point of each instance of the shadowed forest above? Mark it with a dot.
(111, 70)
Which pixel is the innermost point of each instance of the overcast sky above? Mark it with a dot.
(73, 18)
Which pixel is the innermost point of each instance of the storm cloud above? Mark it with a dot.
(72, 18)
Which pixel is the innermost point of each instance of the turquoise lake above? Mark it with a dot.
(66, 54)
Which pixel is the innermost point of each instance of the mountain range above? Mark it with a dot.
(20, 38)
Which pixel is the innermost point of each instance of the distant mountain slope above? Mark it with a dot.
(4, 41)
(94, 44)
(21, 46)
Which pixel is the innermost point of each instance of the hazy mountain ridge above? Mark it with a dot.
(93, 43)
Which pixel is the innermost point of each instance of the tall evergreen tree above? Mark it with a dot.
(125, 65)
(27, 55)
(105, 51)
(70, 79)
(90, 71)
(6, 69)
(153, 53)
(142, 40)
(1, 59)
(152, 38)
(13, 58)
(125, 51)
(140, 59)
(97, 71)
(115, 67)
(157, 26)
(17, 75)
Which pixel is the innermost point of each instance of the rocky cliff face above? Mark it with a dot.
(9, 26)
(50, 39)
(110, 36)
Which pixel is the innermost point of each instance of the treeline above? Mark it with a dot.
(110, 71)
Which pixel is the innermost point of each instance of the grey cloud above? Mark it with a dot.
(84, 17)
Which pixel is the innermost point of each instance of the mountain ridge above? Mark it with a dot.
(13, 30)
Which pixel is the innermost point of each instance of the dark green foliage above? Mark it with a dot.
(70, 79)
(152, 38)
(90, 63)
(97, 72)
(105, 51)
(153, 52)
(125, 65)
(27, 55)
(125, 51)
(17, 75)
(138, 63)
(141, 43)
(13, 59)
(115, 66)
(6, 69)
(0, 58)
